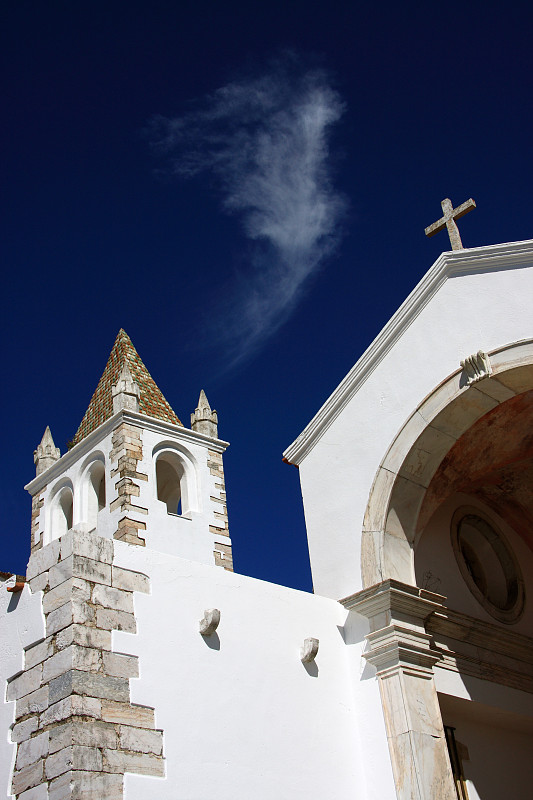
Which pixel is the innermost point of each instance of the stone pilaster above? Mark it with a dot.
(125, 456)
(37, 502)
(402, 653)
(125, 392)
(76, 731)
(222, 551)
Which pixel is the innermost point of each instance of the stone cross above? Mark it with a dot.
(448, 221)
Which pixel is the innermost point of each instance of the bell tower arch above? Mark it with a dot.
(134, 472)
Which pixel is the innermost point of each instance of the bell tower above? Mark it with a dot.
(134, 472)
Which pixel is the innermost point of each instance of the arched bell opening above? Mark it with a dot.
(61, 513)
(96, 496)
(171, 483)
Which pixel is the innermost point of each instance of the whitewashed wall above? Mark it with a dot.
(242, 716)
(469, 312)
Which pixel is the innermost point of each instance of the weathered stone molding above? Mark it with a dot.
(403, 655)
(222, 551)
(126, 453)
(76, 730)
(500, 655)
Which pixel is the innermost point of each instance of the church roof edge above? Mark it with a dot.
(509, 255)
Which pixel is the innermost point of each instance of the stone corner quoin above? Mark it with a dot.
(76, 731)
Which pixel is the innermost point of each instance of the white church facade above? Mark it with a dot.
(136, 663)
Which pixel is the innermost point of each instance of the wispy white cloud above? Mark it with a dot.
(266, 140)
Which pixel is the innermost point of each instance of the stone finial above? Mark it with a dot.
(204, 420)
(47, 453)
(126, 392)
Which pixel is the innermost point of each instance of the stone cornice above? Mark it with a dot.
(396, 600)
(176, 432)
(398, 639)
(460, 262)
(485, 635)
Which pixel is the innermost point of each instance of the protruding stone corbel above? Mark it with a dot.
(476, 367)
(210, 621)
(309, 650)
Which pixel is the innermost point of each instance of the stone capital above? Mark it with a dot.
(400, 650)
(397, 613)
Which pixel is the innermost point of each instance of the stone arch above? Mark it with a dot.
(175, 479)
(391, 521)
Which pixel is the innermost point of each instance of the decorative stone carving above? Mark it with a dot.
(210, 621)
(476, 367)
(487, 563)
(502, 656)
(309, 650)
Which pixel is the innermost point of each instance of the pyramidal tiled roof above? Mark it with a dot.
(151, 400)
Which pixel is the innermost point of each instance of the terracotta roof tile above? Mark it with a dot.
(151, 401)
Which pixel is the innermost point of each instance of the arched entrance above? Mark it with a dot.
(404, 494)
(460, 469)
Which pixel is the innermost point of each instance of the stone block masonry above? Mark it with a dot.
(125, 456)
(222, 551)
(37, 502)
(75, 729)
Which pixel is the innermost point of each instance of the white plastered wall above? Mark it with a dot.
(242, 716)
(470, 312)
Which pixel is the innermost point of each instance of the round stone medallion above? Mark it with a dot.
(487, 563)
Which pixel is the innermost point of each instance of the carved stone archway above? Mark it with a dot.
(396, 499)
(400, 644)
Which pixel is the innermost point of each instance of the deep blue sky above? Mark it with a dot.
(437, 104)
